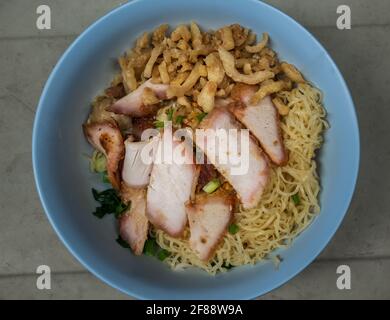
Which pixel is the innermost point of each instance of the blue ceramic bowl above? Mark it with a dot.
(64, 182)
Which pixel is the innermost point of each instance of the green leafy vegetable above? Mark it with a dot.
(98, 162)
(151, 248)
(122, 243)
(159, 124)
(100, 212)
(163, 254)
(179, 119)
(212, 186)
(296, 199)
(110, 203)
(201, 116)
(233, 228)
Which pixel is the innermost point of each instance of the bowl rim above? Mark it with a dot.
(248, 295)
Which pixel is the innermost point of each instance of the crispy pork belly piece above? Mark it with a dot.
(133, 105)
(107, 138)
(138, 162)
(262, 120)
(209, 217)
(170, 187)
(250, 185)
(133, 224)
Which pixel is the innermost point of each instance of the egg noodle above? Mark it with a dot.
(288, 204)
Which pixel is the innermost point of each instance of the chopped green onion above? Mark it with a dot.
(98, 162)
(179, 119)
(201, 116)
(122, 243)
(159, 124)
(163, 254)
(233, 228)
(212, 186)
(170, 114)
(296, 199)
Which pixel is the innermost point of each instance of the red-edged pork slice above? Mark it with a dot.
(107, 138)
(209, 217)
(138, 162)
(262, 120)
(133, 225)
(249, 185)
(170, 187)
(132, 104)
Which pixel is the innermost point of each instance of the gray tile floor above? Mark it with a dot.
(26, 238)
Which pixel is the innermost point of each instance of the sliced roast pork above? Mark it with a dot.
(248, 184)
(170, 187)
(209, 217)
(107, 138)
(133, 224)
(138, 162)
(133, 105)
(262, 120)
